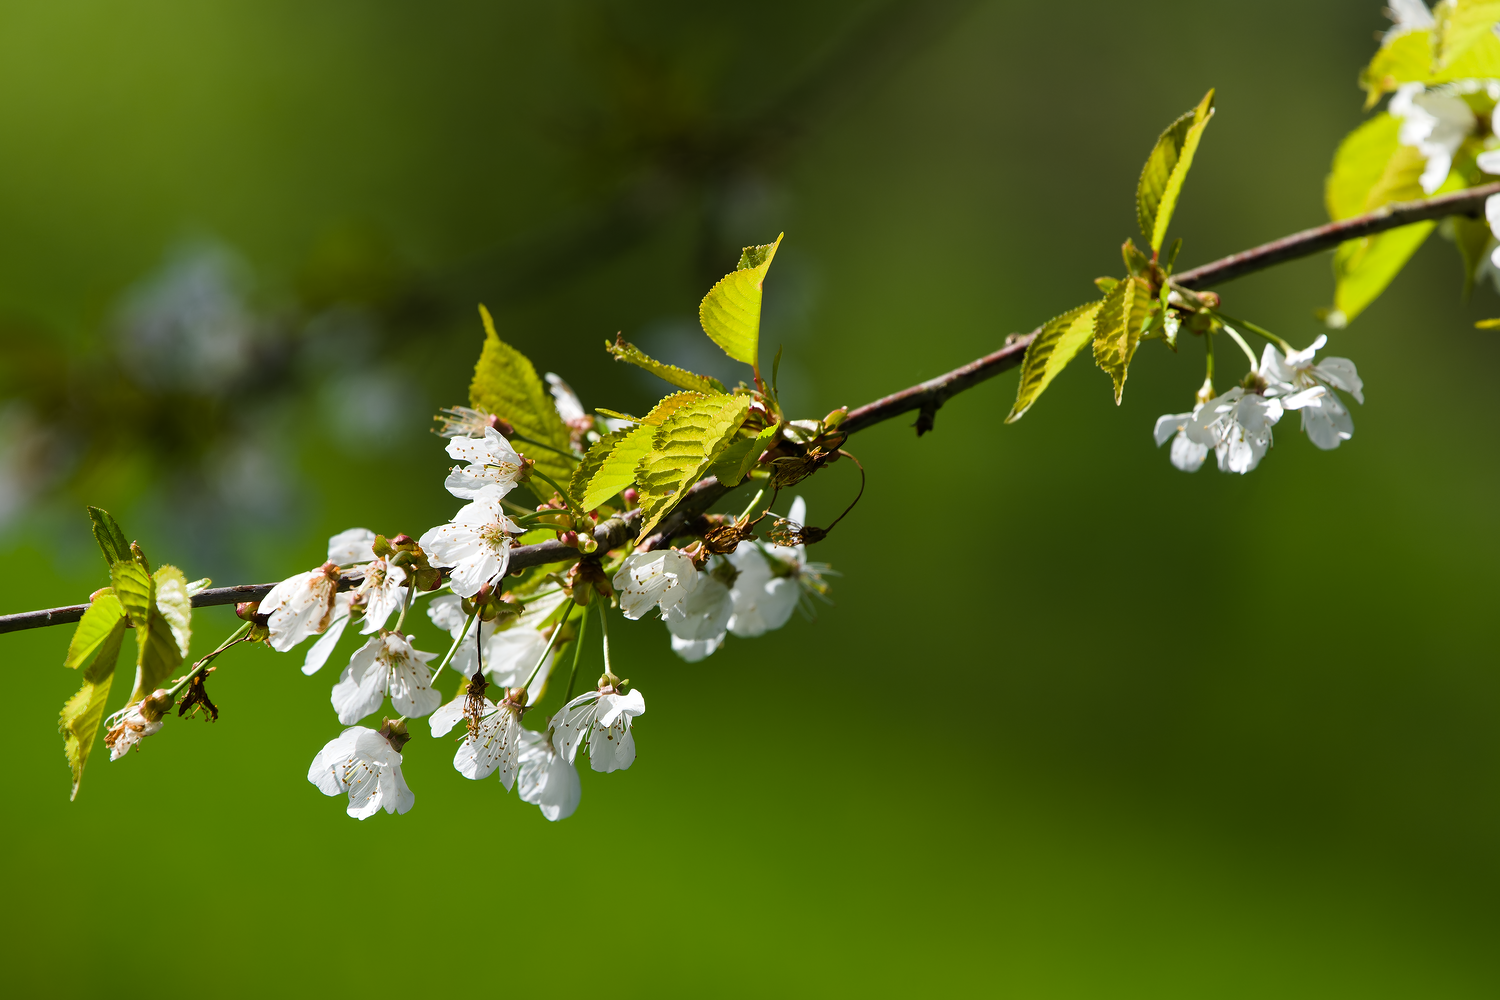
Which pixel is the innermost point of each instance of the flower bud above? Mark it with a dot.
(836, 417)
(569, 538)
(248, 611)
(630, 496)
(404, 541)
(157, 704)
(516, 695)
(503, 426)
(429, 579)
(395, 733)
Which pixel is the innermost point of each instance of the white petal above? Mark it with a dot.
(323, 648)
(612, 748)
(352, 546)
(1187, 454)
(361, 687)
(447, 716)
(695, 650)
(703, 614)
(571, 723)
(1168, 425)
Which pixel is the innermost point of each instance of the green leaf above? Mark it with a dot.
(175, 605)
(613, 470)
(680, 377)
(592, 462)
(1136, 263)
(1123, 316)
(82, 714)
(103, 612)
(506, 384)
(1407, 58)
(109, 536)
(730, 312)
(684, 447)
(1363, 268)
(1165, 170)
(736, 461)
(1461, 25)
(1048, 354)
(157, 653)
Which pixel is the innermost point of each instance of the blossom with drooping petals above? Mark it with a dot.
(475, 544)
(1307, 386)
(320, 651)
(300, 606)
(364, 764)
(772, 581)
(657, 579)
(602, 718)
(387, 664)
(511, 653)
(380, 594)
(1436, 124)
(494, 466)
(1186, 454)
(1237, 426)
(547, 779)
(698, 621)
(132, 727)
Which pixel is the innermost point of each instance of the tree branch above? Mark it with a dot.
(925, 397)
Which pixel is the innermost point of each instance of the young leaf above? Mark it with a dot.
(1406, 58)
(736, 461)
(683, 449)
(615, 468)
(680, 377)
(175, 605)
(1461, 24)
(1122, 318)
(102, 614)
(1372, 168)
(81, 715)
(157, 653)
(506, 384)
(730, 312)
(1136, 263)
(1057, 343)
(593, 461)
(109, 536)
(1166, 168)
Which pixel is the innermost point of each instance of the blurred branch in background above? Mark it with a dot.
(205, 383)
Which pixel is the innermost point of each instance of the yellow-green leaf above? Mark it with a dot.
(98, 621)
(157, 654)
(1406, 58)
(1049, 353)
(730, 312)
(680, 377)
(175, 605)
(1118, 325)
(1166, 168)
(1472, 239)
(1461, 24)
(615, 468)
(731, 467)
(1363, 268)
(506, 384)
(109, 536)
(82, 714)
(683, 449)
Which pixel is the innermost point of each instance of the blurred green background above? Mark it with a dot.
(1105, 730)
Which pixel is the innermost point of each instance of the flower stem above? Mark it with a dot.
(579, 514)
(456, 643)
(751, 505)
(604, 627)
(1286, 348)
(238, 636)
(533, 441)
(551, 641)
(583, 624)
(1254, 364)
(411, 595)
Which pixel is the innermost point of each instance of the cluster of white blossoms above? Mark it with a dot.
(1236, 426)
(503, 645)
(751, 591)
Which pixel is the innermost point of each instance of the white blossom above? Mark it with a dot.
(347, 548)
(547, 779)
(1237, 426)
(362, 763)
(492, 742)
(129, 730)
(1434, 122)
(657, 579)
(602, 718)
(320, 651)
(569, 406)
(380, 594)
(300, 606)
(1186, 454)
(1409, 15)
(387, 664)
(698, 621)
(772, 581)
(475, 544)
(1307, 386)
(492, 469)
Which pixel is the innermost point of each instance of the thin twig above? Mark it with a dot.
(926, 396)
